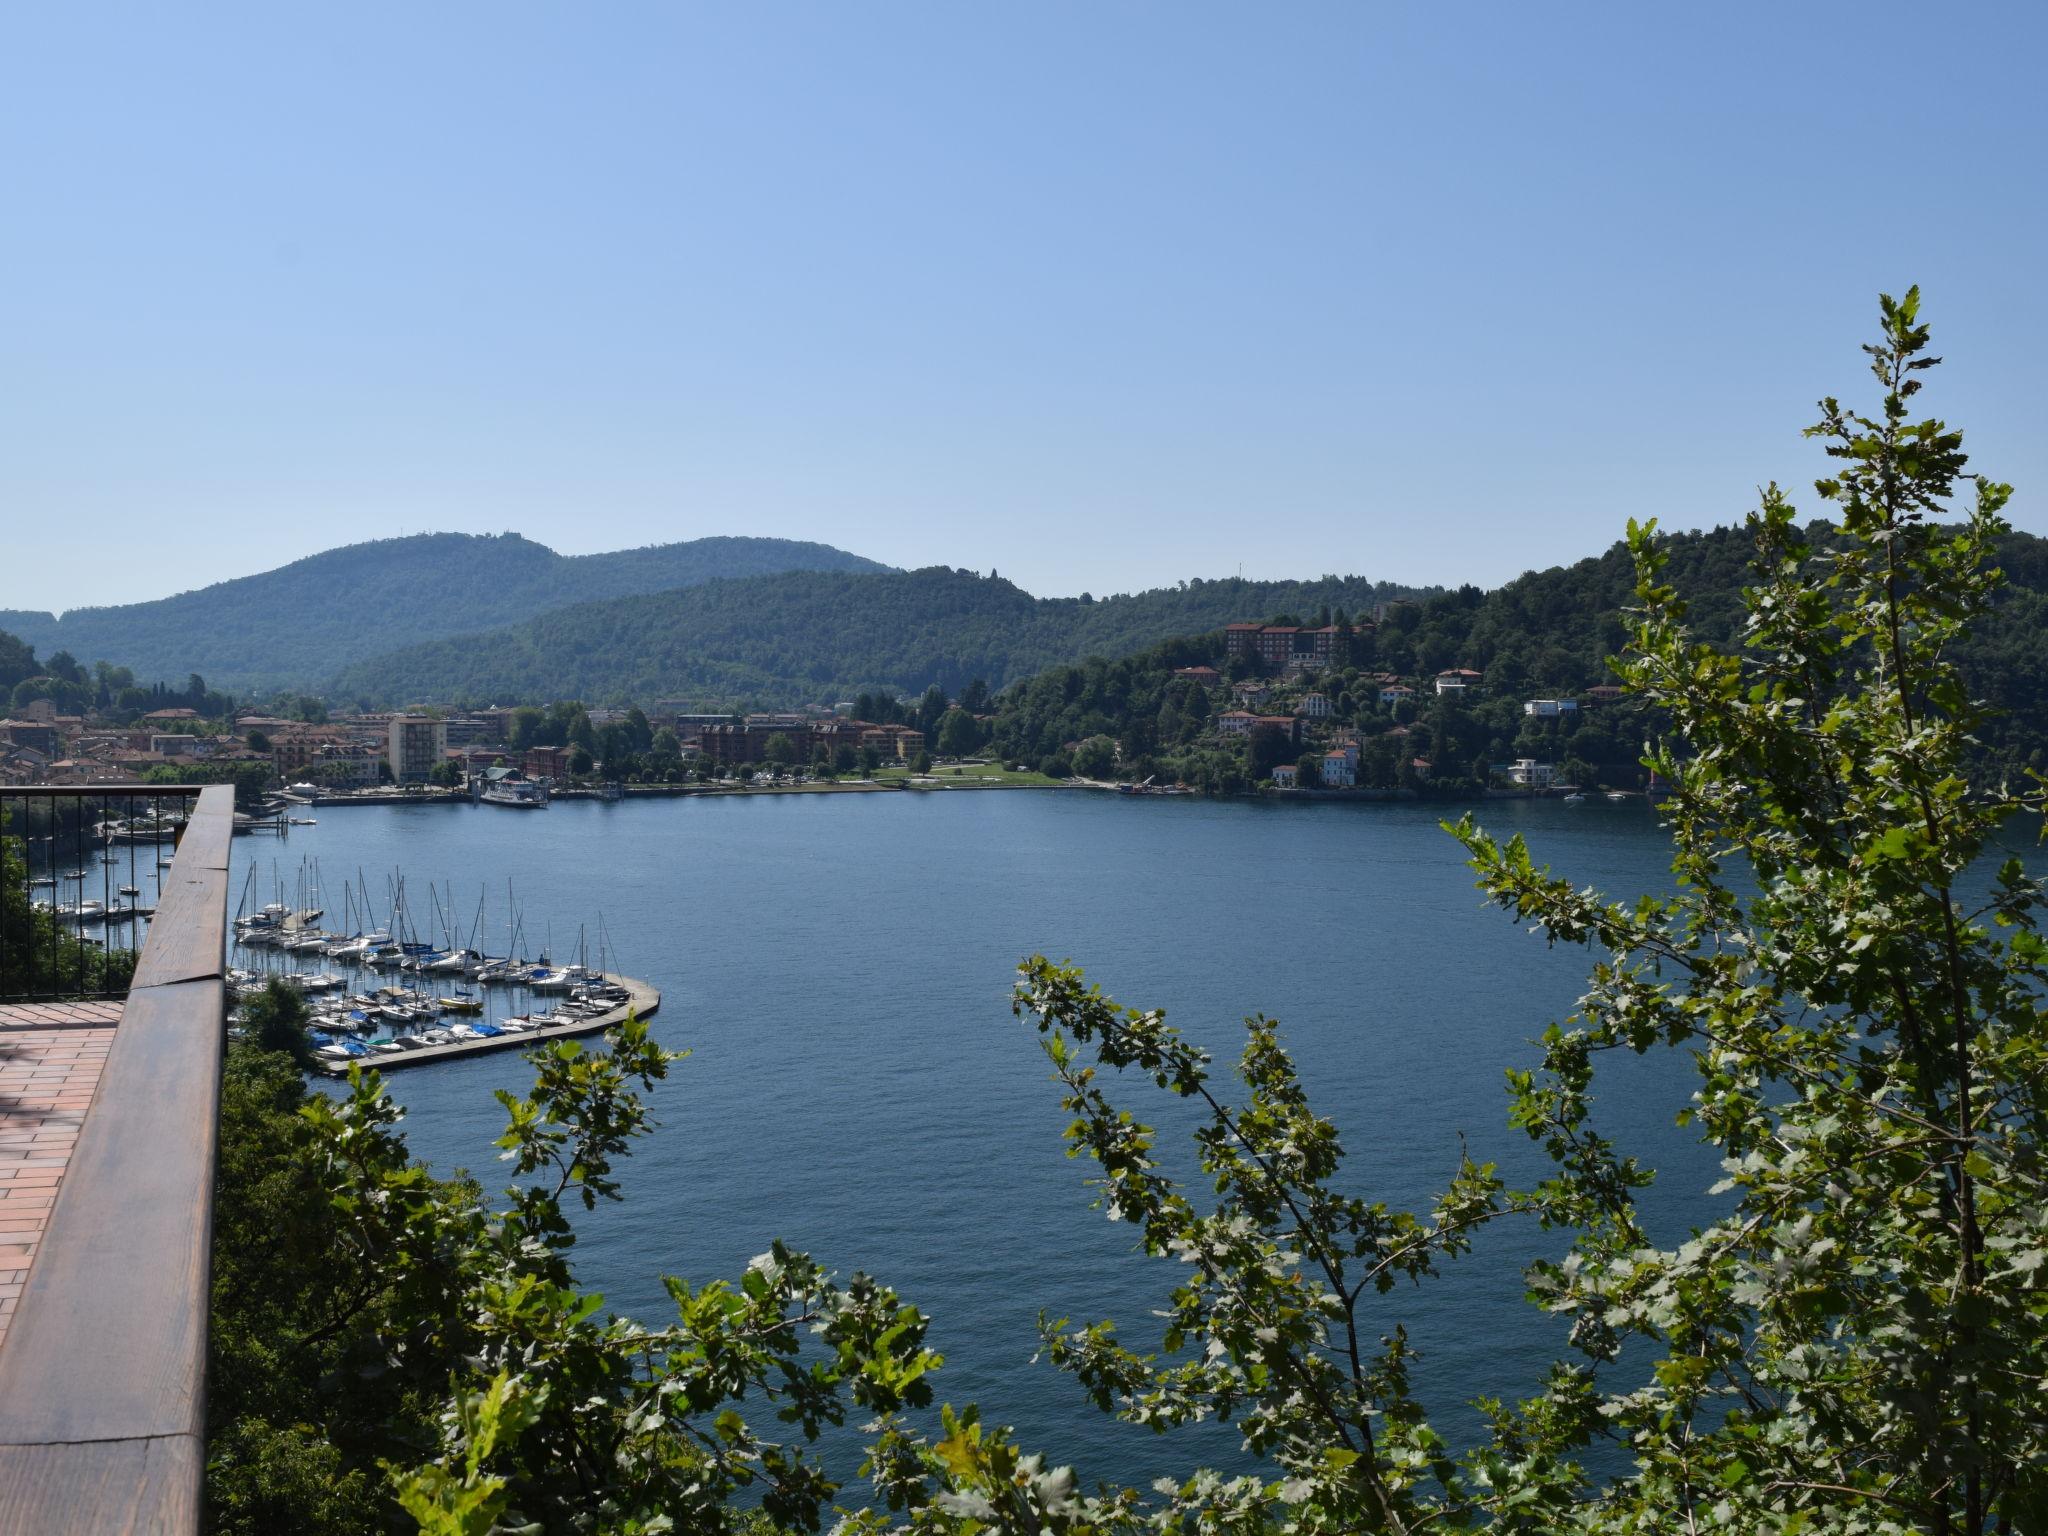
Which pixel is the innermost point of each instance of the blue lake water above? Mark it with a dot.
(840, 967)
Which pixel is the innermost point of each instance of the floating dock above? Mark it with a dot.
(642, 1001)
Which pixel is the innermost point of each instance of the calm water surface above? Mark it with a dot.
(840, 966)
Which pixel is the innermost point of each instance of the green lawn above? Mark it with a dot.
(969, 776)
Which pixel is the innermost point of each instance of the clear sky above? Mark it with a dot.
(1100, 295)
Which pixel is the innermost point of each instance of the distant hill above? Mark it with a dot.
(299, 624)
(809, 636)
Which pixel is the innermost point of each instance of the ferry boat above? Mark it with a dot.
(520, 794)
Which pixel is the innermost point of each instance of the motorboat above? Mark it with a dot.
(558, 979)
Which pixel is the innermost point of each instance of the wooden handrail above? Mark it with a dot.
(103, 1373)
(101, 791)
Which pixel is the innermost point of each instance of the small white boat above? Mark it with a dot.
(560, 980)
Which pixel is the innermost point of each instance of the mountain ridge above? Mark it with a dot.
(297, 623)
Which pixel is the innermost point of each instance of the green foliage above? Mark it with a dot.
(17, 661)
(959, 734)
(1095, 758)
(1857, 1343)
(293, 626)
(387, 1341)
(251, 779)
(276, 1019)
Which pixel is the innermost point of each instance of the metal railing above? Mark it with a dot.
(82, 871)
(103, 1369)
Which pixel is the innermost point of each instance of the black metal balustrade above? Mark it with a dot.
(83, 873)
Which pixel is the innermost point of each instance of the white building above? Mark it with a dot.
(1453, 682)
(1550, 709)
(1235, 722)
(1314, 706)
(1283, 776)
(1395, 693)
(1340, 770)
(415, 747)
(1531, 774)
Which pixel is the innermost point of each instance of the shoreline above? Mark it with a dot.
(935, 784)
(684, 791)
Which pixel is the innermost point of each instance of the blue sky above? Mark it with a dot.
(1099, 295)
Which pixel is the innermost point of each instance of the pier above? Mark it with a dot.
(644, 1000)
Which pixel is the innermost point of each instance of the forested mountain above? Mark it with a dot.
(299, 624)
(809, 636)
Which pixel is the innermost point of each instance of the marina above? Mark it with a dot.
(639, 1000)
(383, 995)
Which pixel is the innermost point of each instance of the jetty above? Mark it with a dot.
(641, 1001)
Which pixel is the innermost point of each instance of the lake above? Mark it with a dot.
(840, 966)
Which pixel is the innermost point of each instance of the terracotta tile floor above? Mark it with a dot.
(50, 1060)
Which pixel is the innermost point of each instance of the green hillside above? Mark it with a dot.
(807, 636)
(300, 623)
(1548, 633)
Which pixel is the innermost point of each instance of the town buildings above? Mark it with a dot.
(415, 747)
(1283, 647)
